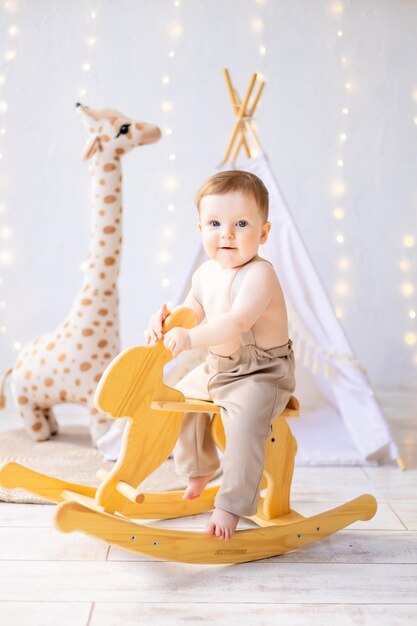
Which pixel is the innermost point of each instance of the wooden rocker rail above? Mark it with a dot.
(132, 386)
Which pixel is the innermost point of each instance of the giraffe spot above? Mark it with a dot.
(42, 361)
(104, 138)
(96, 323)
(87, 332)
(102, 243)
(34, 387)
(86, 301)
(119, 151)
(107, 355)
(36, 426)
(91, 266)
(55, 371)
(102, 344)
(89, 392)
(66, 325)
(86, 288)
(117, 220)
(25, 389)
(108, 292)
(84, 400)
(101, 181)
(97, 378)
(50, 346)
(102, 312)
(109, 199)
(102, 420)
(109, 260)
(77, 382)
(85, 366)
(63, 395)
(109, 167)
(66, 370)
(117, 190)
(68, 334)
(109, 323)
(49, 382)
(101, 212)
(62, 357)
(18, 365)
(139, 126)
(79, 315)
(93, 411)
(102, 275)
(79, 346)
(28, 375)
(47, 396)
(23, 400)
(108, 229)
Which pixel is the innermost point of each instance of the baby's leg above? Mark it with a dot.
(195, 453)
(222, 524)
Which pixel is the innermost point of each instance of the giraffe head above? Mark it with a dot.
(113, 134)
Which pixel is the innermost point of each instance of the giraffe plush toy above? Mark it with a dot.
(66, 364)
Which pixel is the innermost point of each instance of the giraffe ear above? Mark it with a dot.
(91, 149)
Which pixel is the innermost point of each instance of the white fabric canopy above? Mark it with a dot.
(340, 420)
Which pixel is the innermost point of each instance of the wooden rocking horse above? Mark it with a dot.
(132, 386)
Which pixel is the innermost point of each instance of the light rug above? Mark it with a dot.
(69, 456)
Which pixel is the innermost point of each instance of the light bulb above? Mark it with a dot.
(86, 67)
(172, 157)
(168, 131)
(165, 80)
(407, 289)
(13, 30)
(410, 339)
(343, 263)
(345, 111)
(338, 313)
(166, 106)
(340, 239)
(165, 282)
(17, 345)
(91, 41)
(262, 50)
(171, 207)
(257, 25)
(339, 33)
(412, 314)
(340, 163)
(343, 137)
(171, 54)
(408, 241)
(342, 288)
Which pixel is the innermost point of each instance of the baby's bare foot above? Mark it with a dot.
(196, 485)
(222, 524)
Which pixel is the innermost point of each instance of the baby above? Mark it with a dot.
(249, 370)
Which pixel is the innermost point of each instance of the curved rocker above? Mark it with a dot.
(132, 386)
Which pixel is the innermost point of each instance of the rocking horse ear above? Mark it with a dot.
(90, 149)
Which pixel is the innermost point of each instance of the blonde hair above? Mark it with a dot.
(236, 180)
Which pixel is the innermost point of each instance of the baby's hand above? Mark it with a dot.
(176, 340)
(154, 330)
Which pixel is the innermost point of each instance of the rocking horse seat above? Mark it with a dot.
(192, 405)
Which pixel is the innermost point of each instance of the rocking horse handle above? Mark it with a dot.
(181, 316)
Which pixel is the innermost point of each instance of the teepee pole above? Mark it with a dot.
(235, 100)
(240, 114)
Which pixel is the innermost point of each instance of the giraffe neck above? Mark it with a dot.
(103, 259)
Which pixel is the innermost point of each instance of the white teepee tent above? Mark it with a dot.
(341, 422)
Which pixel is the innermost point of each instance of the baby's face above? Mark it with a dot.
(231, 228)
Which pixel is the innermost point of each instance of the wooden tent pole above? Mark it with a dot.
(241, 111)
(235, 100)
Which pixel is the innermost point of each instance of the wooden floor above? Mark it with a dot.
(366, 575)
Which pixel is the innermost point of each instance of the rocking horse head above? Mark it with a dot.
(112, 134)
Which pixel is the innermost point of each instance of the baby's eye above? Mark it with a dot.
(214, 223)
(242, 223)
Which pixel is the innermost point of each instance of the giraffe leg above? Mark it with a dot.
(50, 417)
(35, 422)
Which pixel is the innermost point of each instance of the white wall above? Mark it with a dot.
(45, 188)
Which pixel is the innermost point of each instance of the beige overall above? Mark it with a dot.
(252, 387)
